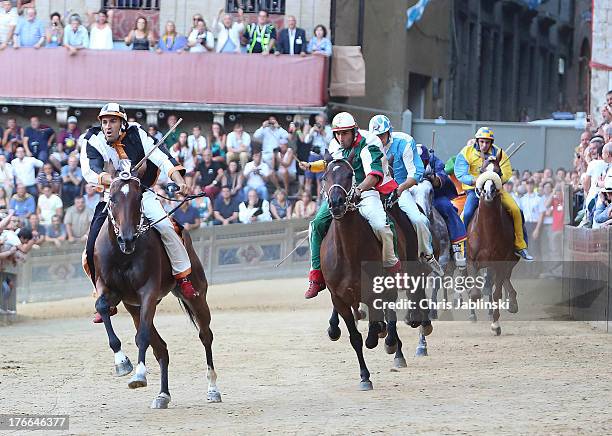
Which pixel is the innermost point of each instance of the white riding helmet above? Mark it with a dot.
(113, 109)
(343, 121)
(380, 124)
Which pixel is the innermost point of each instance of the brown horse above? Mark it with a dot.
(347, 246)
(490, 242)
(132, 266)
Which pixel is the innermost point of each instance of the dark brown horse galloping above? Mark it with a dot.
(348, 244)
(490, 242)
(132, 266)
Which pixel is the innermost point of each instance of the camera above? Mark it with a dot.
(276, 150)
(316, 149)
(319, 126)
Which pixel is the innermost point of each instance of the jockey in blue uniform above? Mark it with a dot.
(444, 192)
(401, 152)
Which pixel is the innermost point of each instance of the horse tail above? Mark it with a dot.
(185, 307)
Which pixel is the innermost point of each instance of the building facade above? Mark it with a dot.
(470, 59)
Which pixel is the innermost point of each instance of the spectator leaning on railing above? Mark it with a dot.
(260, 37)
(171, 41)
(228, 31)
(77, 220)
(225, 208)
(76, 36)
(8, 23)
(201, 39)
(101, 30)
(320, 44)
(140, 37)
(254, 209)
(30, 31)
(54, 35)
(291, 40)
(49, 205)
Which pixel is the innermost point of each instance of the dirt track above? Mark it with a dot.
(278, 373)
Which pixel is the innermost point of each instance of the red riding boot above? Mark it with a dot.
(98, 318)
(187, 288)
(316, 283)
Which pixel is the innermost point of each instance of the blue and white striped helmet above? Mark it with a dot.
(380, 124)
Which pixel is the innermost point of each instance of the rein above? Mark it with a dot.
(144, 225)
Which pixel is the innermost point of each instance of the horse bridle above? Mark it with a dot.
(143, 225)
(351, 205)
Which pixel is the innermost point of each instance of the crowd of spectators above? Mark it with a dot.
(21, 27)
(248, 177)
(593, 172)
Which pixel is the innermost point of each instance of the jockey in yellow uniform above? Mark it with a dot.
(467, 169)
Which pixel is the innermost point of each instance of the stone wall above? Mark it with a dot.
(601, 60)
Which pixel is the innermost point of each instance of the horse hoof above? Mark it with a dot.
(496, 329)
(513, 306)
(382, 334)
(399, 362)
(371, 342)
(333, 333)
(124, 368)
(472, 317)
(161, 401)
(213, 397)
(390, 349)
(366, 386)
(426, 329)
(137, 381)
(421, 352)
(433, 314)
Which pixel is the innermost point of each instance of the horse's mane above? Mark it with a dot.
(489, 175)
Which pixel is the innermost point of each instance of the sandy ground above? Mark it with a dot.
(279, 374)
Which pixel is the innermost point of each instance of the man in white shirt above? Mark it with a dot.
(532, 206)
(196, 141)
(254, 209)
(238, 144)
(256, 173)
(594, 176)
(320, 135)
(270, 134)
(7, 176)
(49, 204)
(8, 22)
(25, 170)
(228, 32)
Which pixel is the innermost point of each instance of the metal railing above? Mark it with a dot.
(131, 4)
(254, 6)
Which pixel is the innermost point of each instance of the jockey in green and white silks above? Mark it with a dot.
(372, 178)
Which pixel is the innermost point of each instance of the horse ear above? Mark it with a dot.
(327, 157)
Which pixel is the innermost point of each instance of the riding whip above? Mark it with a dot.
(163, 138)
(292, 251)
(509, 155)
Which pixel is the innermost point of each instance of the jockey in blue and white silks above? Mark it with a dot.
(401, 152)
(444, 192)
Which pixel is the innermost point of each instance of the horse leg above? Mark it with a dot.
(201, 312)
(356, 341)
(513, 304)
(393, 344)
(497, 294)
(333, 331)
(421, 350)
(160, 350)
(143, 339)
(123, 366)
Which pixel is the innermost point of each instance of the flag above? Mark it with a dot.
(414, 13)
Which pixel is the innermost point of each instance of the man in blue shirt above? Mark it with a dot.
(30, 31)
(22, 203)
(37, 139)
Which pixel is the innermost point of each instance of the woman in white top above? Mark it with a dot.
(228, 32)
(254, 209)
(185, 155)
(201, 39)
(101, 31)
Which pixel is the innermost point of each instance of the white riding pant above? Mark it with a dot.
(418, 220)
(371, 208)
(179, 259)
